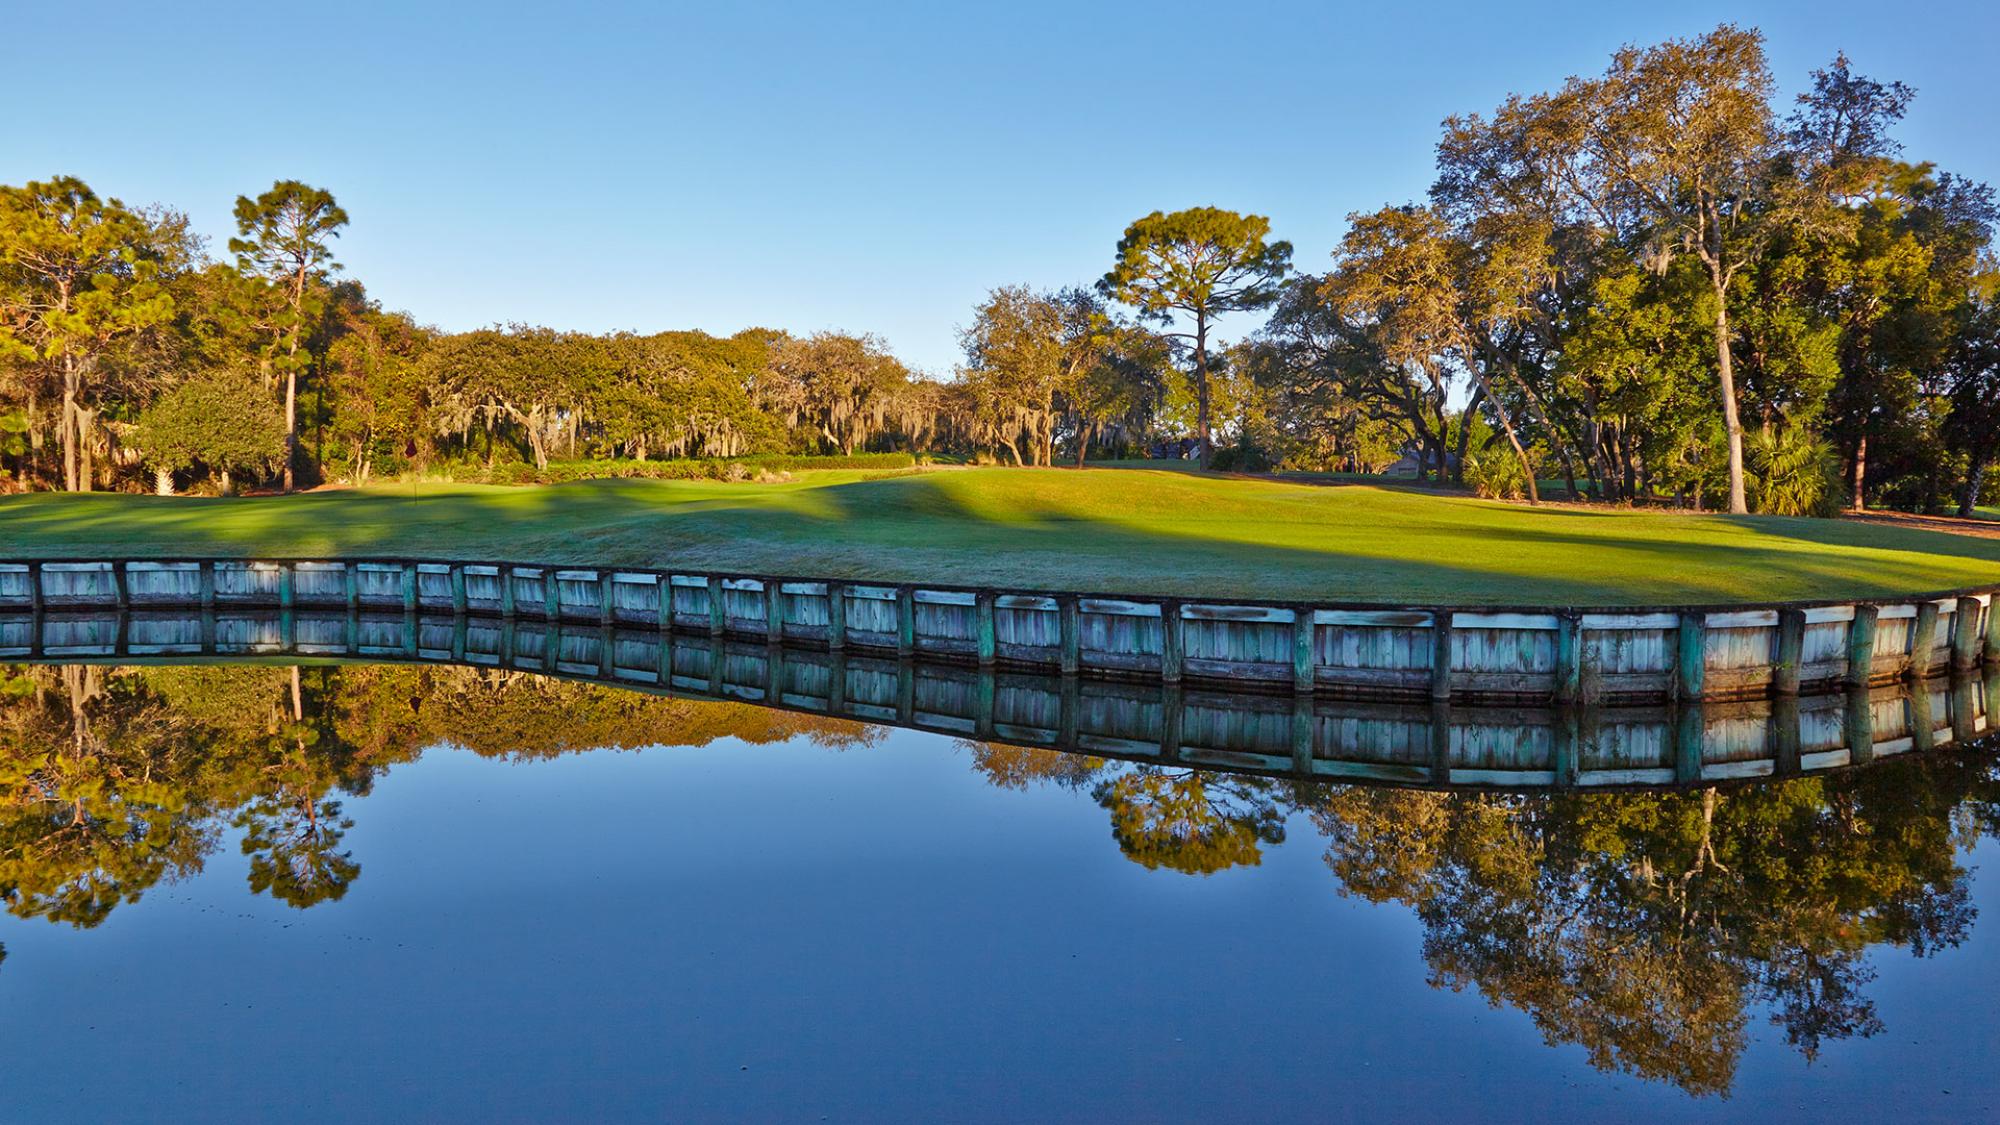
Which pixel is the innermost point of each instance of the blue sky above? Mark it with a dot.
(867, 167)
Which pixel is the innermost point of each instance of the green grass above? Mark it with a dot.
(1127, 530)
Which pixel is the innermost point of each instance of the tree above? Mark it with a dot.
(283, 239)
(842, 388)
(222, 419)
(1973, 422)
(77, 273)
(1201, 263)
(1429, 300)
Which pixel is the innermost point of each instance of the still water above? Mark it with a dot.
(392, 891)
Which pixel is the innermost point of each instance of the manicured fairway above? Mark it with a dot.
(1094, 530)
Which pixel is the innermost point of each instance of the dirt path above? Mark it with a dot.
(1985, 529)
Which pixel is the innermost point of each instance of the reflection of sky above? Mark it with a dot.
(872, 933)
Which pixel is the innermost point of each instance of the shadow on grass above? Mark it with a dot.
(915, 529)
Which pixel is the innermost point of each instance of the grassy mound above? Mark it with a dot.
(1101, 530)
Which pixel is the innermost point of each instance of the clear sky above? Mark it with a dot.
(866, 167)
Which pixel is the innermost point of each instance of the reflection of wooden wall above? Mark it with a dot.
(1419, 653)
(1319, 736)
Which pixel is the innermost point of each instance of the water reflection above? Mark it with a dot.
(1649, 926)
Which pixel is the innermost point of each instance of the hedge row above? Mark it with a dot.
(696, 468)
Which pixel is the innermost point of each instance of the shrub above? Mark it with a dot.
(1795, 473)
(1496, 474)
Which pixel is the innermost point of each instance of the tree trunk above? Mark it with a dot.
(1859, 501)
(1201, 386)
(163, 482)
(1974, 479)
(291, 421)
(1725, 369)
(1465, 431)
(70, 430)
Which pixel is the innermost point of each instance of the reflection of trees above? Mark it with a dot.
(1181, 819)
(1189, 821)
(1642, 927)
(113, 780)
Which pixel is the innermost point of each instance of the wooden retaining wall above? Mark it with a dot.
(1566, 655)
(1426, 743)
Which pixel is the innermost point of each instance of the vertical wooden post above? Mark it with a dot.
(460, 626)
(1171, 650)
(1791, 652)
(774, 611)
(121, 585)
(1170, 722)
(906, 621)
(666, 670)
(607, 603)
(350, 631)
(506, 580)
(1069, 702)
(287, 594)
(1965, 708)
(983, 629)
(774, 672)
(1965, 634)
(458, 596)
(665, 610)
(1691, 656)
(983, 690)
(1569, 658)
(1861, 646)
(1785, 735)
(1303, 673)
(350, 583)
(551, 642)
(410, 633)
(1923, 718)
(205, 581)
(607, 647)
(1069, 633)
(551, 596)
(836, 684)
(1567, 733)
(1441, 654)
(1923, 641)
(410, 587)
(1440, 730)
(1302, 733)
(836, 616)
(1858, 726)
(1690, 733)
(718, 621)
(1993, 629)
(35, 589)
(906, 694)
(505, 656)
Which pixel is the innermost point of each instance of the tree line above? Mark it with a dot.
(1651, 283)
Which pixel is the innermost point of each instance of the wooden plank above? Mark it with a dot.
(1441, 631)
(1172, 652)
(1070, 628)
(1743, 619)
(1119, 608)
(1534, 621)
(1625, 622)
(1303, 674)
(906, 621)
(1024, 601)
(943, 597)
(983, 628)
(1384, 618)
(1195, 611)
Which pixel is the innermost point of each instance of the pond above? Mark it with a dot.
(245, 886)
